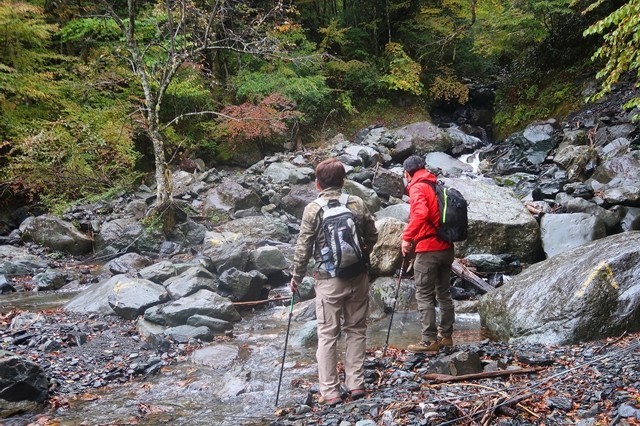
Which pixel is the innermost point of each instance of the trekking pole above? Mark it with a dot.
(395, 300)
(284, 354)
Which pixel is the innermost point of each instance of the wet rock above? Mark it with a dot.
(216, 325)
(226, 250)
(131, 298)
(388, 183)
(50, 279)
(268, 259)
(203, 302)
(57, 234)
(419, 138)
(576, 295)
(446, 164)
(21, 380)
(242, 286)
(502, 225)
(158, 272)
(385, 257)
(184, 333)
(128, 263)
(216, 356)
(562, 232)
(188, 282)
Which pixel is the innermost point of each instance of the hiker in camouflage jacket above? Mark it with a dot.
(341, 303)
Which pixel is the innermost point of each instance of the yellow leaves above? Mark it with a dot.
(447, 87)
(404, 73)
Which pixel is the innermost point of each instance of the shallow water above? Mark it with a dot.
(240, 388)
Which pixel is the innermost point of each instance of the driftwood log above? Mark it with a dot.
(442, 378)
(465, 273)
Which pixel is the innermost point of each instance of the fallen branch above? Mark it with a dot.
(261, 302)
(465, 273)
(442, 378)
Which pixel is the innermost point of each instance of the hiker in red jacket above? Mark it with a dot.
(432, 266)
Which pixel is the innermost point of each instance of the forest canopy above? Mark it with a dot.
(95, 95)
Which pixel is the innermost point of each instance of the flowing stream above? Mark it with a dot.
(239, 388)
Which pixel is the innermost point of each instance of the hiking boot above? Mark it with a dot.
(424, 347)
(445, 341)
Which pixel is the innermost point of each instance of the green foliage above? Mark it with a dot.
(404, 73)
(525, 102)
(620, 50)
(310, 93)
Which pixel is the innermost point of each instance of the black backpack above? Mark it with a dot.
(453, 213)
(341, 253)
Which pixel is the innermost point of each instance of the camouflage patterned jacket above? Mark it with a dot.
(310, 240)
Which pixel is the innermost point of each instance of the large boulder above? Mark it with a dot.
(298, 198)
(257, 228)
(420, 138)
(498, 222)
(368, 195)
(188, 282)
(119, 289)
(229, 196)
(21, 380)
(56, 234)
(203, 302)
(562, 232)
(386, 255)
(130, 299)
(586, 293)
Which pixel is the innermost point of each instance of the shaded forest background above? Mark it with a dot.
(96, 96)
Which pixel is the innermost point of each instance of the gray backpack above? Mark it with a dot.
(341, 252)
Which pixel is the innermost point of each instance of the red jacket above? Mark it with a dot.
(424, 214)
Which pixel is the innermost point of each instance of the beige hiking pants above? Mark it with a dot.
(341, 304)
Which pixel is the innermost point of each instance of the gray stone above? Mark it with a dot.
(610, 218)
(439, 161)
(203, 302)
(385, 256)
(51, 279)
(268, 259)
(242, 286)
(21, 379)
(298, 198)
(257, 228)
(382, 295)
(420, 138)
(631, 219)
(388, 183)
(306, 336)
(216, 325)
(128, 263)
(184, 333)
(158, 272)
(368, 195)
(227, 250)
(498, 222)
(129, 299)
(56, 234)
(188, 282)
(562, 232)
(457, 364)
(589, 292)
(216, 356)
(395, 211)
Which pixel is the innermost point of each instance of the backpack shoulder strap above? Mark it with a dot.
(344, 199)
(321, 202)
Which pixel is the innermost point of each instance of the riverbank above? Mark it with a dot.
(595, 383)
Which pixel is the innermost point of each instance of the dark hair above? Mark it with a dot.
(412, 164)
(330, 172)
